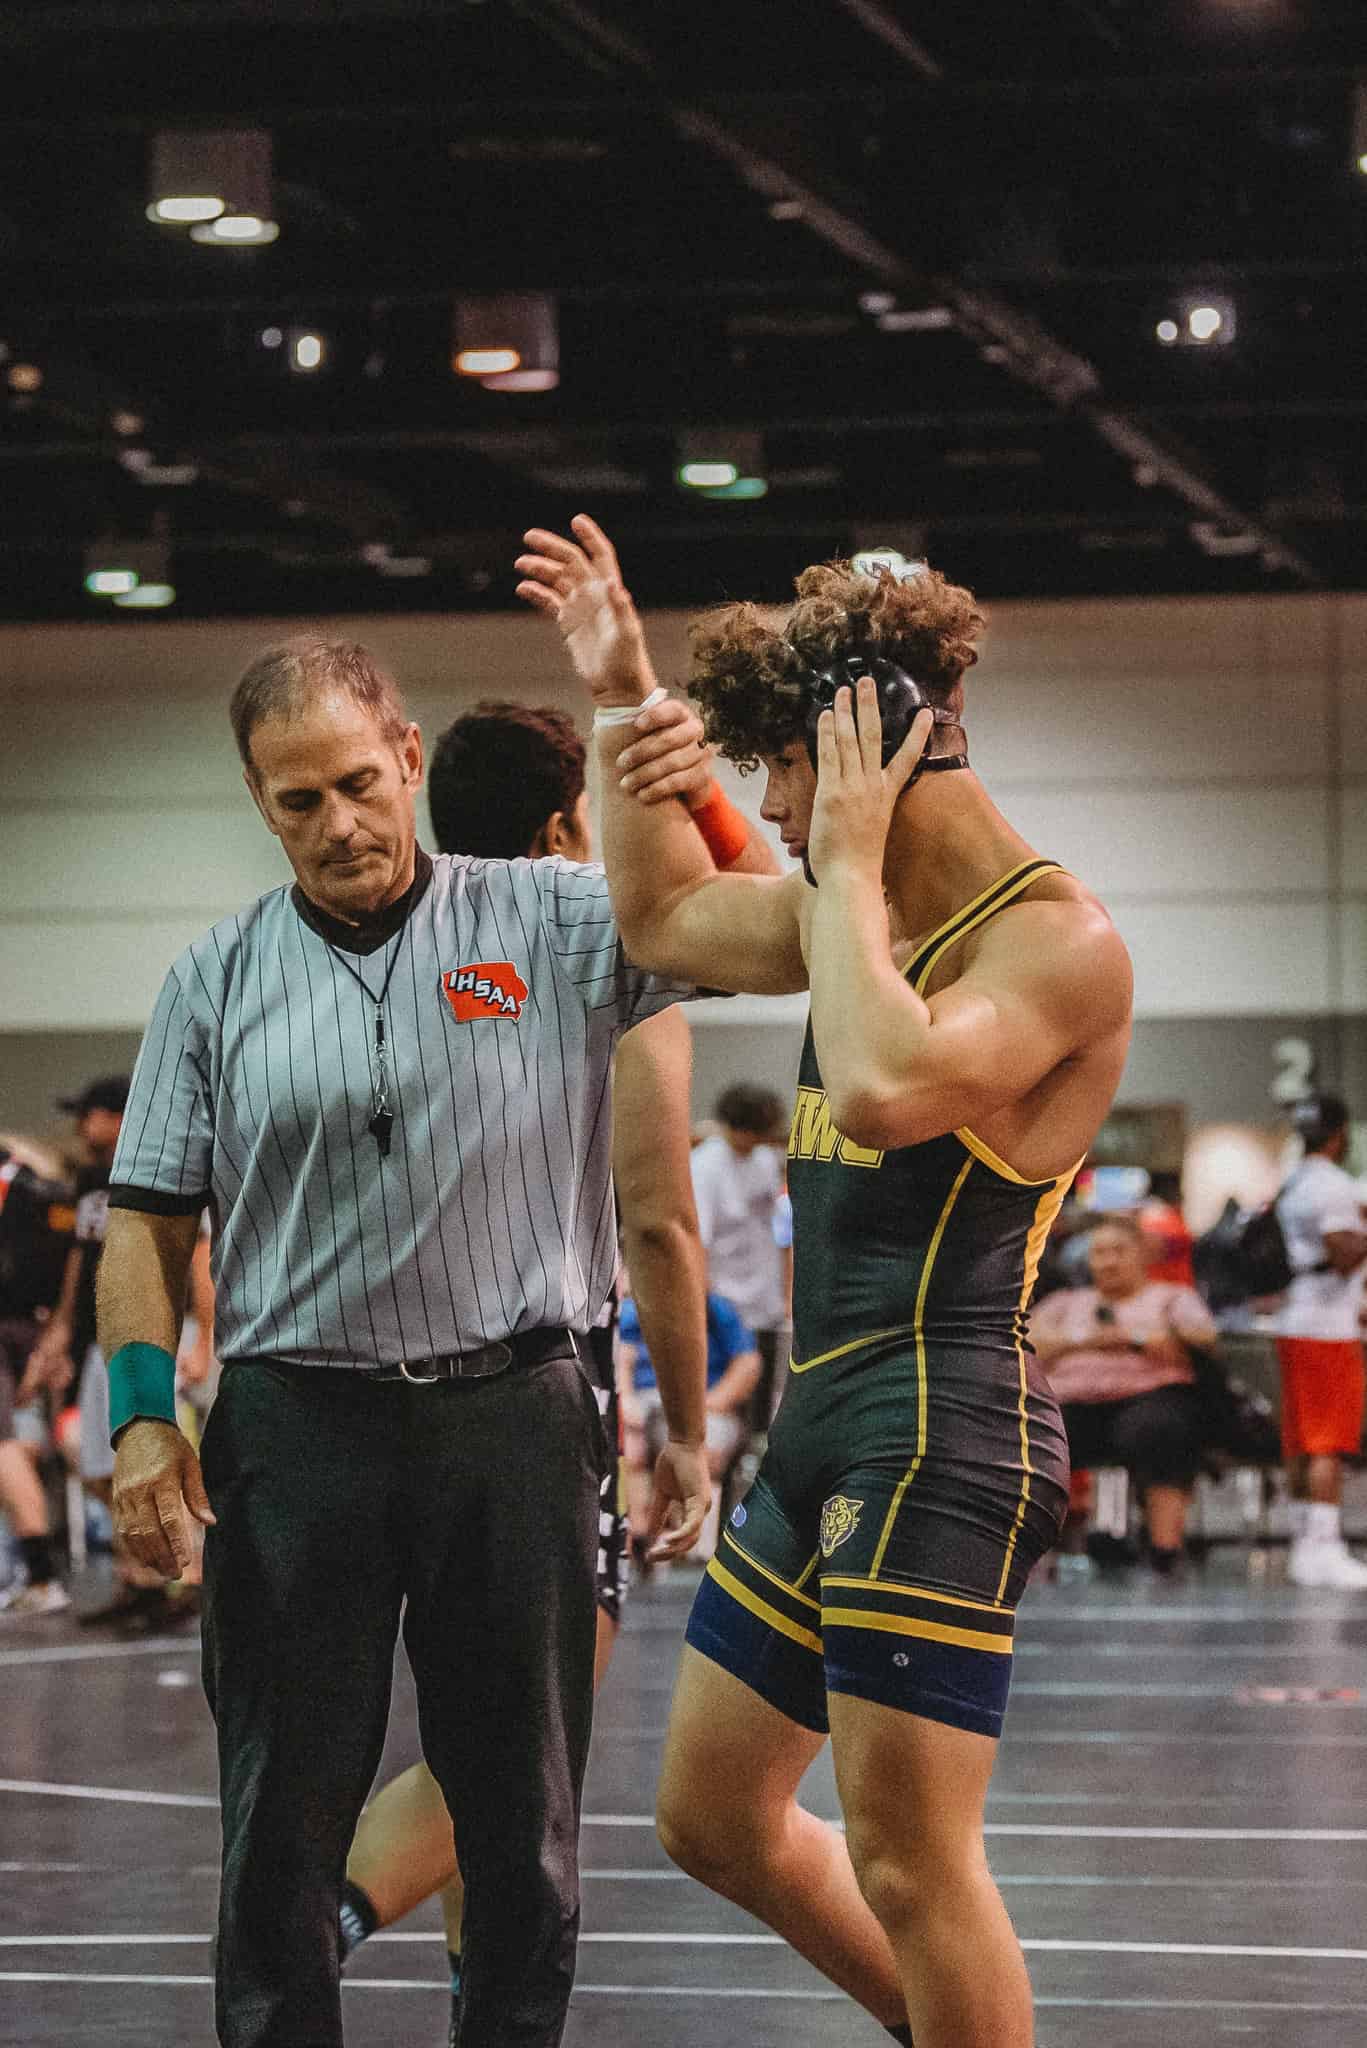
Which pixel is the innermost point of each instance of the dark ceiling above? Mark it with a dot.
(712, 191)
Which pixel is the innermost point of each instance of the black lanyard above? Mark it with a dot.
(381, 1125)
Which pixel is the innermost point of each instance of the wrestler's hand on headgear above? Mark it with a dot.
(679, 1503)
(668, 757)
(158, 1487)
(578, 583)
(855, 794)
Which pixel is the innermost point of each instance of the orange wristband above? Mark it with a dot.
(724, 831)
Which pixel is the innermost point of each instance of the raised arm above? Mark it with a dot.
(677, 915)
(664, 1257)
(144, 1272)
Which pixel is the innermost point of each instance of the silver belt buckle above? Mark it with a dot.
(416, 1379)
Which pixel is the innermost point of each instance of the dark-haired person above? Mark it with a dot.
(36, 1221)
(507, 782)
(737, 1182)
(388, 1082)
(1319, 1343)
(1119, 1359)
(917, 1467)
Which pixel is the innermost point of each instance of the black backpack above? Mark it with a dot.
(1242, 1257)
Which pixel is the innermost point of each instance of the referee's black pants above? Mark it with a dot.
(336, 1500)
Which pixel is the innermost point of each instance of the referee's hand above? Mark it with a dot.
(679, 1503)
(158, 1486)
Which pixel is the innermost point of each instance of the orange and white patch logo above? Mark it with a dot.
(486, 988)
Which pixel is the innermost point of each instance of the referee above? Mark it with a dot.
(389, 1083)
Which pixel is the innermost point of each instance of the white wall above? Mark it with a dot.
(1203, 764)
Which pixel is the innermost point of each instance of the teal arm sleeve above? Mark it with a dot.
(142, 1383)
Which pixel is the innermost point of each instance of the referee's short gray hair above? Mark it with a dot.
(283, 680)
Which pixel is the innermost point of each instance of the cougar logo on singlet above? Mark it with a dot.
(486, 988)
(839, 1520)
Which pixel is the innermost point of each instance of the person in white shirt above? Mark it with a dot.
(1319, 1343)
(737, 1184)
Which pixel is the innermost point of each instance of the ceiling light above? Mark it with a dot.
(786, 209)
(916, 320)
(503, 336)
(741, 491)
(715, 459)
(239, 230)
(307, 350)
(708, 476)
(487, 362)
(182, 208)
(272, 337)
(25, 377)
(876, 303)
(198, 175)
(125, 422)
(119, 568)
(148, 597)
(1199, 320)
(522, 380)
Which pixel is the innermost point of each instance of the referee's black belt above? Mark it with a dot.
(528, 1347)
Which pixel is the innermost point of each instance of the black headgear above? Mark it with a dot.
(900, 697)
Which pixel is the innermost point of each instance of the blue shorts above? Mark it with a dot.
(889, 1570)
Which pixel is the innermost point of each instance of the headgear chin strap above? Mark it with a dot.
(900, 697)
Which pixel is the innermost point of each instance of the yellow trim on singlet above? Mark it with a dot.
(1003, 891)
(732, 1585)
(911, 1625)
(914, 1593)
(807, 1570)
(1046, 1209)
(918, 1327)
(773, 1577)
(855, 1344)
(981, 1150)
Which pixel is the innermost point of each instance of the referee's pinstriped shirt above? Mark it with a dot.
(492, 1213)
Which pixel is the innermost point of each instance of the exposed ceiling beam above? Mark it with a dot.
(1121, 524)
(273, 306)
(1039, 360)
(883, 24)
(568, 440)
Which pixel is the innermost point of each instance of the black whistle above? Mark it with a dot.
(381, 1128)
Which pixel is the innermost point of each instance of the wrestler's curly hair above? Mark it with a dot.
(747, 671)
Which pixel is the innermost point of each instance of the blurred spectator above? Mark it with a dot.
(1319, 1343)
(68, 1345)
(737, 1182)
(1169, 1238)
(733, 1371)
(1119, 1356)
(36, 1221)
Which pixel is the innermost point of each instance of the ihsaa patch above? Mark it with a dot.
(486, 988)
(839, 1520)
(739, 1518)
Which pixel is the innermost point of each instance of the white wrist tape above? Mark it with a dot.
(625, 714)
